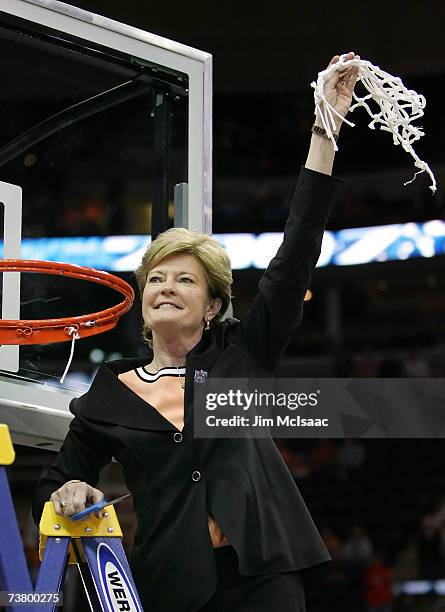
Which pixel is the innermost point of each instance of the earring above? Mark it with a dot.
(207, 324)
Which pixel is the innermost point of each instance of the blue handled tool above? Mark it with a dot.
(96, 507)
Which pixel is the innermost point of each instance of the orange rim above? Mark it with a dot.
(45, 331)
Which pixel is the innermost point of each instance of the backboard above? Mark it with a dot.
(105, 134)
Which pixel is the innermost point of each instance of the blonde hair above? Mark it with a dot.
(209, 253)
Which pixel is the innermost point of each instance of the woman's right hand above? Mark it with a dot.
(74, 496)
(339, 87)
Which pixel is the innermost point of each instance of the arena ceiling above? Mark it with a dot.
(261, 45)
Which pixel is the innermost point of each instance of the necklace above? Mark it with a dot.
(182, 382)
(169, 370)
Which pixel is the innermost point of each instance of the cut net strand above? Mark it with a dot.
(398, 108)
(72, 331)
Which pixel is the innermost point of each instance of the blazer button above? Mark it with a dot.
(177, 436)
(196, 476)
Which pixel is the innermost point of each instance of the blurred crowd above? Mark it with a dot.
(358, 578)
(343, 460)
(247, 205)
(397, 364)
(430, 544)
(262, 205)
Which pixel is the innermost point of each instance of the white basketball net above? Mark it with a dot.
(398, 107)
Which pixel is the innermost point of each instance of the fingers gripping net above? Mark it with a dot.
(398, 107)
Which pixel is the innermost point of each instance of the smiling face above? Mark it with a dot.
(176, 296)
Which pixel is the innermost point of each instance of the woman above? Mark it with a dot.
(221, 524)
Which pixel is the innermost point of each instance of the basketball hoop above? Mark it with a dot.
(45, 331)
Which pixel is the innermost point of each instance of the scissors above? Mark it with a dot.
(95, 507)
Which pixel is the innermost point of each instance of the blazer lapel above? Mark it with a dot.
(111, 401)
(199, 362)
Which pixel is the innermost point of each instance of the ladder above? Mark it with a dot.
(93, 544)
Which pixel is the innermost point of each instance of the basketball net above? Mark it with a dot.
(397, 108)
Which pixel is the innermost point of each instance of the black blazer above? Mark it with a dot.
(177, 480)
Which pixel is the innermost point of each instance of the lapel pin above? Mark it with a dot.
(200, 376)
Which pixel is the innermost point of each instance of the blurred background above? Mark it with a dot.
(379, 504)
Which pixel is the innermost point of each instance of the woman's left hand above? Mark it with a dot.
(339, 86)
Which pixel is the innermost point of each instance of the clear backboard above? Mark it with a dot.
(105, 137)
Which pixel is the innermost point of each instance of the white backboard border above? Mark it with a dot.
(29, 407)
(11, 199)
